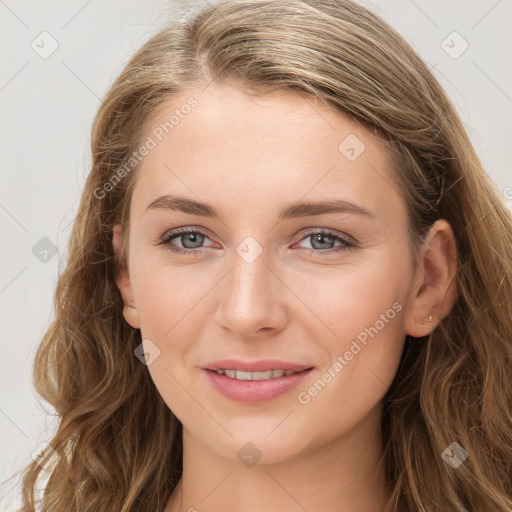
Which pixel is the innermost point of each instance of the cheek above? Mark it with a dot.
(169, 298)
(363, 309)
(347, 299)
(360, 366)
(172, 302)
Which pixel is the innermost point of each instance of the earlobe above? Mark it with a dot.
(434, 286)
(123, 282)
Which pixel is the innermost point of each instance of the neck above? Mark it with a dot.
(344, 474)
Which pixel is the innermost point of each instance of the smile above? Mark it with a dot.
(241, 375)
(254, 387)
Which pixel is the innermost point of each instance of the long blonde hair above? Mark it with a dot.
(118, 446)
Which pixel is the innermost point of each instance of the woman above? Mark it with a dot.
(209, 352)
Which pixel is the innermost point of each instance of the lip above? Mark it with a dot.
(255, 366)
(255, 391)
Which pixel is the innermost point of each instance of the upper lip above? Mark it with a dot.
(255, 366)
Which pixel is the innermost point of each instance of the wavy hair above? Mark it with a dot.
(454, 385)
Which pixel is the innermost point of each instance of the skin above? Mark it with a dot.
(249, 157)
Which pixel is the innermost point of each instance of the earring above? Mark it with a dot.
(429, 319)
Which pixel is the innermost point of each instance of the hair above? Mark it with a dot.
(118, 446)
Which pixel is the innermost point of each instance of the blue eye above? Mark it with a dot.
(197, 237)
(320, 237)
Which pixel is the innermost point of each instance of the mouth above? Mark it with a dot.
(265, 365)
(257, 382)
(270, 374)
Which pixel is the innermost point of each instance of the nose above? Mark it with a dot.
(252, 298)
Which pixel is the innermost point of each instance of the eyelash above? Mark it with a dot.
(166, 241)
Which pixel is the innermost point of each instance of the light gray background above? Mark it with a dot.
(47, 109)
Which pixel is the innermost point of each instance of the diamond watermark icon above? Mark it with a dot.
(44, 250)
(249, 455)
(147, 352)
(351, 147)
(454, 455)
(43, 453)
(44, 45)
(454, 45)
(249, 249)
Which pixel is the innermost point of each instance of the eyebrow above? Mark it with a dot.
(294, 210)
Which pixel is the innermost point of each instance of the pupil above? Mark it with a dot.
(193, 239)
(321, 236)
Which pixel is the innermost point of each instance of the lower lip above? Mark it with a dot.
(255, 391)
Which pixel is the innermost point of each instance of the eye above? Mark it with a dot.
(188, 236)
(192, 240)
(319, 239)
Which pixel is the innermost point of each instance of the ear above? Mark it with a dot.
(434, 288)
(123, 281)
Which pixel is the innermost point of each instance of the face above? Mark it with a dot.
(255, 277)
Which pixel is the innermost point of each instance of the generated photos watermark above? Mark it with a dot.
(361, 341)
(149, 144)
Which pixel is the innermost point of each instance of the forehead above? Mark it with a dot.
(256, 151)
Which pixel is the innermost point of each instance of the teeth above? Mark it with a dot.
(259, 375)
(241, 375)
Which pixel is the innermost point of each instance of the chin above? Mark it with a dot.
(251, 446)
